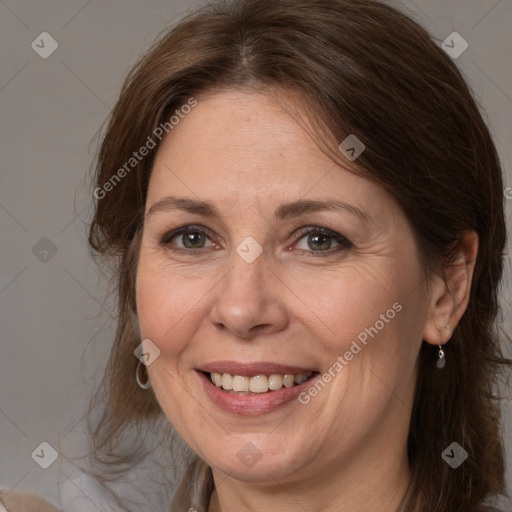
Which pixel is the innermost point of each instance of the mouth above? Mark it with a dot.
(253, 389)
(257, 384)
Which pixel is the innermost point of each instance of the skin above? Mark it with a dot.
(346, 449)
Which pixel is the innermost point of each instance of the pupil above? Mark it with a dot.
(191, 240)
(320, 241)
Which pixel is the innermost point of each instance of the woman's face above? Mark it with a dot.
(284, 264)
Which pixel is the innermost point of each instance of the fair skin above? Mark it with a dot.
(301, 302)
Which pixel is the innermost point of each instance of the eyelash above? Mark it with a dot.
(343, 242)
(166, 239)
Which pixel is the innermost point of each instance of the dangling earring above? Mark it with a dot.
(142, 385)
(441, 361)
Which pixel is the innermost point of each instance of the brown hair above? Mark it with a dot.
(364, 68)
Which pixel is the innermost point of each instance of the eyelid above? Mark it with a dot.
(168, 236)
(296, 235)
(324, 231)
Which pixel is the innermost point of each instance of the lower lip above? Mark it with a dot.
(252, 405)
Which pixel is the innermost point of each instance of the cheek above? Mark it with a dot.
(347, 304)
(167, 304)
(168, 309)
(367, 328)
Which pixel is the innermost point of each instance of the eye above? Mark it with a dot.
(193, 239)
(320, 240)
(187, 239)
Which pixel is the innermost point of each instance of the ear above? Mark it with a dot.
(449, 294)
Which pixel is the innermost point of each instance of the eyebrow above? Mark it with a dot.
(285, 211)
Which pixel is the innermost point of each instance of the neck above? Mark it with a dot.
(376, 486)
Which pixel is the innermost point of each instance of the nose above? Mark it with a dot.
(249, 300)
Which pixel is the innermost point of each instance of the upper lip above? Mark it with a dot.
(252, 369)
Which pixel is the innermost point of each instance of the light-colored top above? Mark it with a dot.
(22, 501)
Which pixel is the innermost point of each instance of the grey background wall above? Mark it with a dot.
(56, 328)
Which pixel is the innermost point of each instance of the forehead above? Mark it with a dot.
(233, 126)
(234, 147)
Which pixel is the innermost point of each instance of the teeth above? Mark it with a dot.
(240, 383)
(257, 384)
(217, 379)
(275, 382)
(288, 380)
(227, 381)
(301, 377)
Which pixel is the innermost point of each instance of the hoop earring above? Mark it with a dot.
(441, 361)
(142, 385)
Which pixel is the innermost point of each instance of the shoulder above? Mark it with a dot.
(23, 501)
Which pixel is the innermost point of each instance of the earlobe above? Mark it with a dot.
(449, 294)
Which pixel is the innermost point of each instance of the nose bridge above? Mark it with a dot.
(249, 264)
(245, 284)
(245, 300)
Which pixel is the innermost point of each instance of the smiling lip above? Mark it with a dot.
(252, 404)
